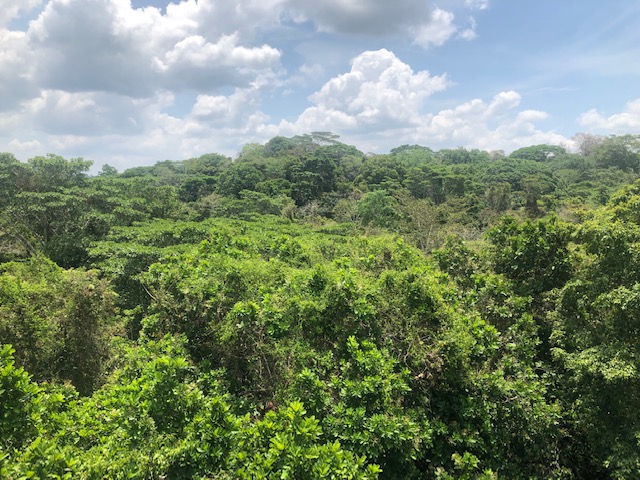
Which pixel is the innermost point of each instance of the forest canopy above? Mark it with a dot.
(306, 310)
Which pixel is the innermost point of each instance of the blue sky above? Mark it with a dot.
(132, 82)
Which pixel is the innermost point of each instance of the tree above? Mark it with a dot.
(596, 348)
(54, 172)
(108, 171)
(325, 138)
(414, 155)
(323, 164)
(587, 143)
(290, 443)
(56, 221)
(621, 152)
(279, 146)
(380, 171)
(208, 164)
(538, 153)
(14, 176)
(21, 406)
(534, 186)
(378, 208)
(59, 321)
(498, 196)
(461, 155)
(512, 171)
(238, 177)
(534, 255)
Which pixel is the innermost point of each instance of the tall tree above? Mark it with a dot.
(619, 151)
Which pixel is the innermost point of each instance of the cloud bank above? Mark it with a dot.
(623, 122)
(123, 85)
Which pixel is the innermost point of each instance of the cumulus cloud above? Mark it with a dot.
(437, 31)
(202, 65)
(493, 125)
(477, 4)
(469, 33)
(372, 17)
(100, 76)
(119, 84)
(381, 103)
(306, 74)
(429, 26)
(382, 94)
(57, 112)
(379, 90)
(15, 69)
(501, 104)
(213, 18)
(623, 122)
(20, 146)
(228, 111)
(106, 45)
(12, 8)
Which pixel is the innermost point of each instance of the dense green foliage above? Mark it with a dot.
(309, 311)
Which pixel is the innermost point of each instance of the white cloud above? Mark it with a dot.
(80, 46)
(437, 31)
(380, 89)
(15, 69)
(98, 76)
(532, 116)
(223, 111)
(320, 118)
(380, 103)
(373, 17)
(307, 73)
(469, 33)
(204, 66)
(27, 145)
(89, 45)
(502, 104)
(477, 4)
(429, 26)
(623, 122)
(57, 112)
(489, 126)
(213, 18)
(12, 8)
(117, 84)
(312, 71)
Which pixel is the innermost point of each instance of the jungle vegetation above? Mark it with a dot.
(306, 310)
